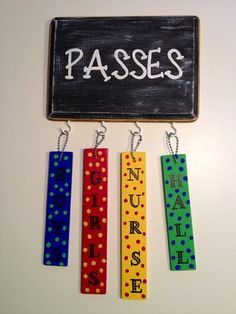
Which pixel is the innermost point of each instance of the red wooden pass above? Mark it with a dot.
(94, 230)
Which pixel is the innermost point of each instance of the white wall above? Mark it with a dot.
(28, 287)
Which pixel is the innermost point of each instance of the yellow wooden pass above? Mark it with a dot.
(133, 226)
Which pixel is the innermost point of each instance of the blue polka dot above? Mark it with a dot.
(177, 267)
(167, 159)
(168, 205)
(188, 250)
(181, 169)
(177, 191)
(179, 218)
(170, 228)
(188, 202)
(176, 156)
(187, 226)
(184, 193)
(173, 242)
(191, 266)
(185, 178)
(166, 182)
(171, 214)
(192, 257)
(173, 257)
(182, 242)
(182, 160)
(169, 168)
(191, 237)
(170, 195)
(187, 215)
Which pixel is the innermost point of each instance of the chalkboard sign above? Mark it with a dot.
(124, 68)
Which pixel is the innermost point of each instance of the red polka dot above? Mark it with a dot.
(137, 274)
(126, 294)
(125, 200)
(134, 188)
(144, 233)
(125, 174)
(126, 237)
(127, 270)
(126, 186)
(127, 156)
(143, 296)
(126, 284)
(140, 159)
(128, 163)
(143, 193)
(143, 217)
(142, 205)
(136, 213)
(141, 181)
(143, 248)
(127, 212)
(128, 246)
(142, 265)
(125, 258)
(137, 241)
(125, 223)
(142, 171)
(144, 280)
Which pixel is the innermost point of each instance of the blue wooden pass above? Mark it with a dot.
(56, 241)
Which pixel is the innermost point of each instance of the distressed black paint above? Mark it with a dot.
(160, 99)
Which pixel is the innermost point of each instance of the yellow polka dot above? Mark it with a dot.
(102, 159)
(101, 209)
(90, 164)
(93, 263)
(102, 284)
(104, 179)
(89, 236)
(101, 270)
(99, 153)
(85, 250)
(89, 187)
(85, 276)
(97, 290)
(90, 154)
(104, 199)
(88, 211)
(103, 169)
(87, 173)
(100, 187)
(100, 235)
(97, 164)
(87, 199)
(104, 261)
(86, 289)
(104, 220)
(85, 264)
(100, 245)
(85, 223)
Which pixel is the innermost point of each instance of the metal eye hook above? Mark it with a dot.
(169, 134)
(104, 127)
(63, 131)
(136, 132)
(100, 137)
(63, 139)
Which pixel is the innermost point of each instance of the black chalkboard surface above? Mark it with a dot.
(124, 68)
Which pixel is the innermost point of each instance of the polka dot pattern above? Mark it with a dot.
(94, 225)
(178, 213)
(133, 226)
(58, 202)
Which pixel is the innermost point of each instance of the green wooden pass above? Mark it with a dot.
(178, 212)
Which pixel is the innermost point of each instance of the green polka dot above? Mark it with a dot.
(51, 205)
(64, 242)
(55, 156)
(51, 194)
(63, 255)
(52, 175)
(61, 190)
(50, 216)
(49, 229)
(68, 170)
(55, 186)
(66, 184)
(48, 263)
(55, 163)
(65, 212)
(56, 212)
(67, 194)
(57, 239)
(61, 264)
(48, 244)
(47, 255)
(66, 158)
(64, 228)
